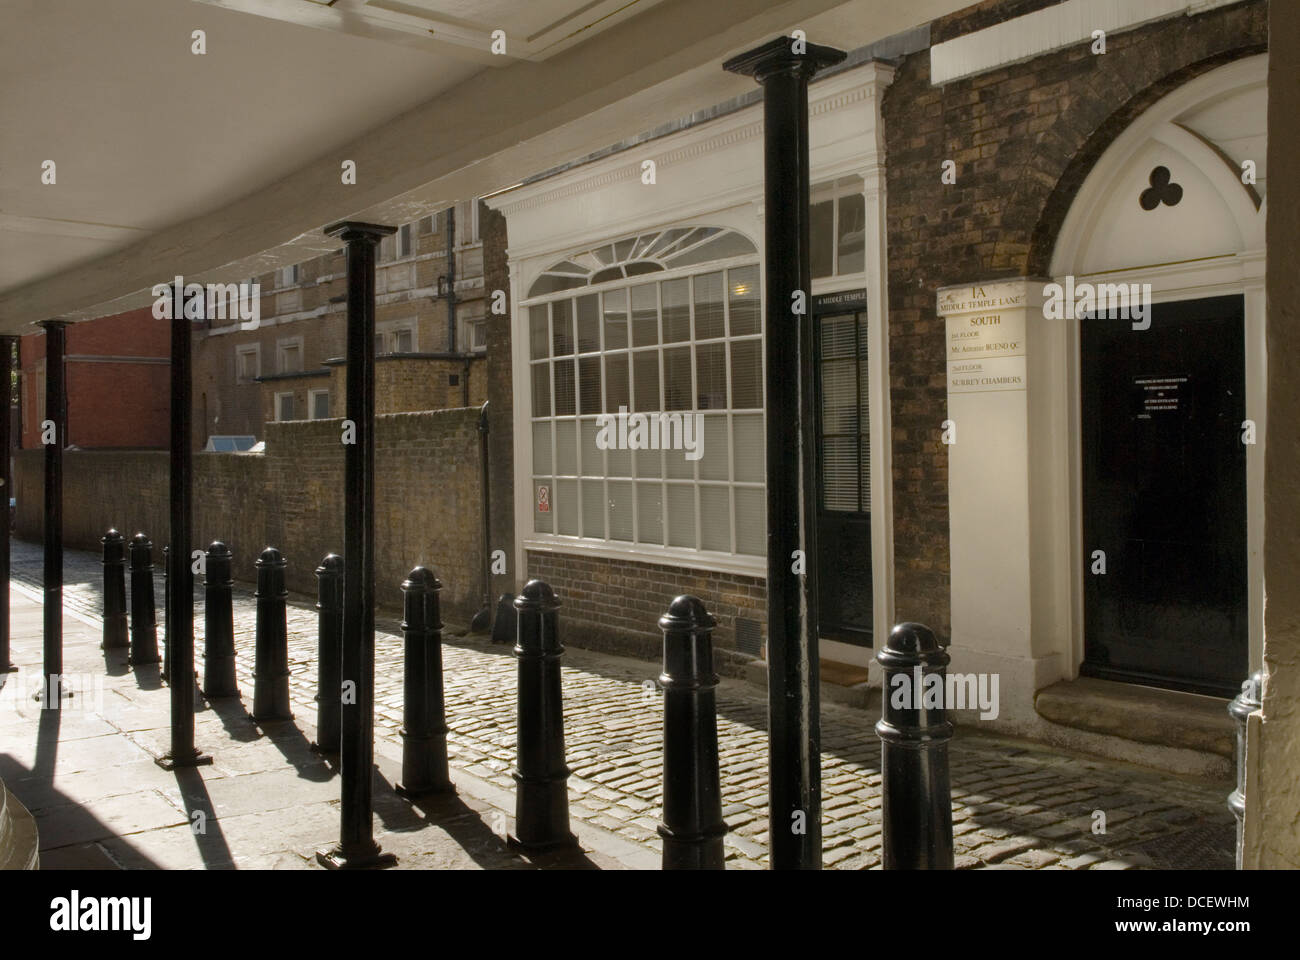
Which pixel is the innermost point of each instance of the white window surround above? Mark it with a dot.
(311, 403)
(667, 475)
(246, 350)
(707, 175)
(1052, 28)
(279, 397)
(389, 331)
(282, 347)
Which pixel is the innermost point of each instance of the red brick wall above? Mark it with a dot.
(1023, 137)
(110, 404)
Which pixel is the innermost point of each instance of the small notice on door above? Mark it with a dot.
(1156, 395)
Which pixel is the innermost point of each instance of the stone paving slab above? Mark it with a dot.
(87, 774)
(1015, 803)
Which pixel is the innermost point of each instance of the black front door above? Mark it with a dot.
(1164, 497)
(843, 469)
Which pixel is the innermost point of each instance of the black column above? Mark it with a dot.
(357, 847)
(7, 345)
(56, 414)
(783, 67)
(180, 576)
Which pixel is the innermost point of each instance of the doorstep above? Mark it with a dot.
(1166, 718)
(843, 683)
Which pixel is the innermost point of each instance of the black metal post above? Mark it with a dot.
(167, 610)
(916, 797)
(1243, 705)
(794, 756)
(329, 650)
(271, 666)
(7, 346)
(178, 629)
(115, 627)
(424, 721)
(692, 827)
(357, 846)
(54, 435)
(144, 624)
(541, 776)
(218, 624)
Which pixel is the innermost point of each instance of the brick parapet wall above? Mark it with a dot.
(615, 605)
(1023, 137)
(291, 497)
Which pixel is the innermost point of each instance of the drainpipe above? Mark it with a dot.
(451, 283)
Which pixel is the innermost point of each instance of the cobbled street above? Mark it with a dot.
(1016, 804)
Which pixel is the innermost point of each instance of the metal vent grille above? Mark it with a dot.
(748, 637)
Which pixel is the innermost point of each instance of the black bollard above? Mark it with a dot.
(1243, 705)
(541, 776)
(329, 653)
(424, 722)
(271, 667)
(692, 828)
(167, 606)
(916, 799)
(115, 625)
(144, 623)
(218, 624)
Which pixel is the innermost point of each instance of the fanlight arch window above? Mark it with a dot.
(651, 252)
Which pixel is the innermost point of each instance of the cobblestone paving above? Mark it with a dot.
(1015, 804)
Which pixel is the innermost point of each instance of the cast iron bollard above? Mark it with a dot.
(167, 606)
(541, 776)
(329, 653)
(271, 668)
(115, 625)
(144, 625)
(1247, 702)
(424, 722)
(692, 827)
(916, 799)
(218, 624)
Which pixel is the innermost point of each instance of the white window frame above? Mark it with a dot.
(311, 403)
(248, 349)
(643, 549)
(403, 249)
(278, 397)
(285, 343)
(467, 226)
(389, 330)
(287, 276)
(835, 190)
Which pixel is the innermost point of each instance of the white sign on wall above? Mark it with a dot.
(985, 336)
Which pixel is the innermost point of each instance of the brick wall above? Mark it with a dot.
(405, 383)
(121, 403)
(1023, 137)
(291, 497)
(615, 605)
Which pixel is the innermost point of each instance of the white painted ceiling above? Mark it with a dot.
(144, 133)
(227, 164)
